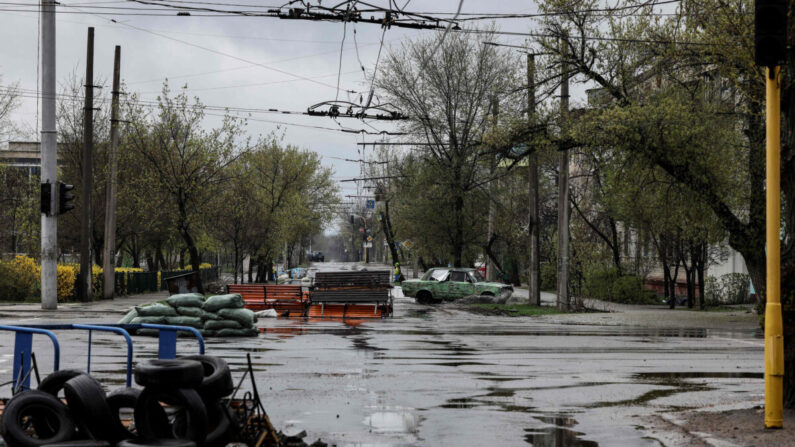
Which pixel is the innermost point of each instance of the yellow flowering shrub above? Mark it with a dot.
(67, 276)
(19, 278)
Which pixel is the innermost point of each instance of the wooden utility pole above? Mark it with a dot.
(49, 157)
(563, 197)
(87, 173)
(534, 274)
(492, 203)
(108, 258)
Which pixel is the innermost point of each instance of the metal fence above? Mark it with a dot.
(131, 283)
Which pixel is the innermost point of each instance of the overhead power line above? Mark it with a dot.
(338, 13)
(220, 53)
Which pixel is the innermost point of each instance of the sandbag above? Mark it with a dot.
(218, 302)
(194, 322)
(186, 300)
(207, 333)
(156, 310)
(214, 325)
(245, 317)
(147, 332)
(249, 332)
(148, 320)
(197, 312)
(127, 319)
(267, 313)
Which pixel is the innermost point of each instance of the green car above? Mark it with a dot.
(448, 284)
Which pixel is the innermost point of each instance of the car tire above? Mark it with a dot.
(80, 443)
(177, 373)
(162, 442)
(223, 426)
(424, 297)
(53, 383)
(36, 405)
(486, 294)
(87, 402)
(220, 425)
(217, 382)
(125, 398)
(148, 411)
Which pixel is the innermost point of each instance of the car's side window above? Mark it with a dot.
(458, 276)
(439, 275)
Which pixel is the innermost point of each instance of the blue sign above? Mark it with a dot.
(371, 204)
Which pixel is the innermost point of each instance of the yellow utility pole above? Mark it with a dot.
(774, 339)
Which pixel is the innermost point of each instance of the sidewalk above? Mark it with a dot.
(114, 309)
(658, 316)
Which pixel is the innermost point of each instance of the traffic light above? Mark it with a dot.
(770, 39)
(46, 198)
(64, 198)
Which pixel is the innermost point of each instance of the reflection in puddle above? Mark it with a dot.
(558, 434)
(392, 422)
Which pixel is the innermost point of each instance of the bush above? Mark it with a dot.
(67, 278)
(599, 284)
(629, 290)
(608, 285)
(549, 277)
(19, 278)
(731, 288)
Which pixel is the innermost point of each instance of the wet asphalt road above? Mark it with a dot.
(440, 376)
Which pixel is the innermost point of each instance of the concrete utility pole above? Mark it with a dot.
(108, 258)
(563, 198)
(49, 157)
(492, 204)
(87, 172)
(534, 276)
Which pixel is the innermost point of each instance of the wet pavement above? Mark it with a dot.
(443, 376)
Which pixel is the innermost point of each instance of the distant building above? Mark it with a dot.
(23, 155)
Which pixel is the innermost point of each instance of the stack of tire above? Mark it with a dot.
(193, 389)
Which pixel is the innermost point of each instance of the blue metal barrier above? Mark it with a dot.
(118, 330)
(23, 344)
(167, 340)
(23, 349)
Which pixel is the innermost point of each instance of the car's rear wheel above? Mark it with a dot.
(486, 294)
(424, 297)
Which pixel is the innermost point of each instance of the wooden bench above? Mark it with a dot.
(283, 292)
(285, 299)
(251, 293)
(376, 279)
(349, 296)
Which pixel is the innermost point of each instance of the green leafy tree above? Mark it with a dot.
(182, 162)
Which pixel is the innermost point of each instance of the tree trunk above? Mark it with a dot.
(458, 220)
(150, 261)
(161, 260)
(386, 225)
(250, 269)
(700, 267)
(674, 279)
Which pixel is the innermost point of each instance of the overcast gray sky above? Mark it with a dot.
(158, 47)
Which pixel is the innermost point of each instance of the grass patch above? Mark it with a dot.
(514, 310)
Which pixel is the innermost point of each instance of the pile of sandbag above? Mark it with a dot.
(217, 315)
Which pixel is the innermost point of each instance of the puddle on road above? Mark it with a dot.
(558, 434)
(699, 375)
(400, 420)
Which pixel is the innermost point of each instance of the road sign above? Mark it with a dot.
(371, 204)
(369, 238)
(367, 245)
(408, 244)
